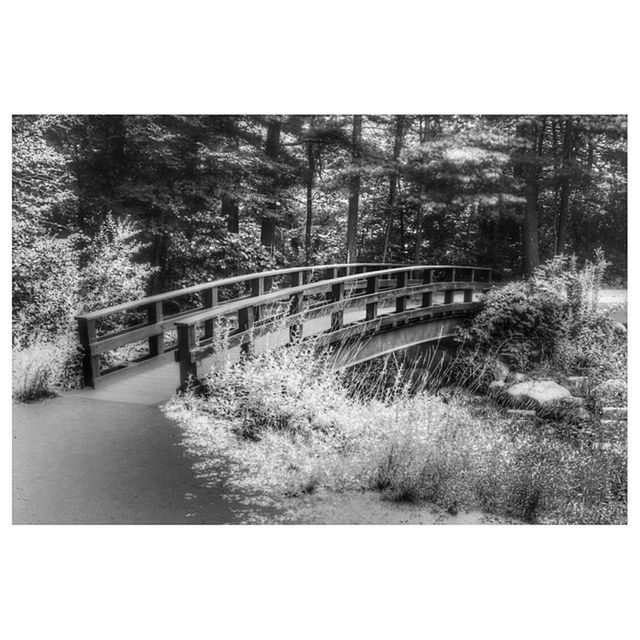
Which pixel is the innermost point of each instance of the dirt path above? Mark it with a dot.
(84, 461)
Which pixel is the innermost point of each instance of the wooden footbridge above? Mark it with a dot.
(361, 311)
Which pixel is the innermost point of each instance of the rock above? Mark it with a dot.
(611, 393)
(500, 370)
(515, 378)
(544, 394)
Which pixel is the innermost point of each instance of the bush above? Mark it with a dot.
(551, 320)
(55, 279)
(41, 367)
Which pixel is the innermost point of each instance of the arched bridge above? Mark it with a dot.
(366, 310)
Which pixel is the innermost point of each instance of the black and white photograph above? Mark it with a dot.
(321, 320)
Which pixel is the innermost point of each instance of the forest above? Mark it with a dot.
(186, 199)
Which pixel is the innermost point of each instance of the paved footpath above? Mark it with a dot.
(80, 460)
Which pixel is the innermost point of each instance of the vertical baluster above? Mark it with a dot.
(401, 300)
(372, 307)
(246, 320)
(209, 300)
(154, 316)
(186, 346)
(295, 306)
(448, 294)
(330, 274)
(90, 362)
(337, 317)
(427, 296)
(257, 289)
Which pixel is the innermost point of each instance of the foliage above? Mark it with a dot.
(40, 367)
(294, 428)
(551, 319)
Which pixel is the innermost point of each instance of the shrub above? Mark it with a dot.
(552, 319)
(40, 367)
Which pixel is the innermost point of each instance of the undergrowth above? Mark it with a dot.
(294, 426)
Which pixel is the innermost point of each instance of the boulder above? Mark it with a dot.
(537, 393)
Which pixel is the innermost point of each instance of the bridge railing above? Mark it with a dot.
(368, 289)
(151, 321)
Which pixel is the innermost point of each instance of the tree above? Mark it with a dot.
(354, 190)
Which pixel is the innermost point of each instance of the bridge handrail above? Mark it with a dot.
(249, 305)
(196, 288)
(255, 301)
(190, 349)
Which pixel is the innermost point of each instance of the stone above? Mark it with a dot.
(500, 370)
(545, 394)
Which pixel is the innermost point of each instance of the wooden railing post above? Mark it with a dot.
(90, 362)
(209, 300)
(154, 315)
(372, 307)
(427, 296)
(337, 317)
(295, 306)
(468, 295)
(257, 289)
(330, 274)
(401, 300)
(186, 345)
(246, 320)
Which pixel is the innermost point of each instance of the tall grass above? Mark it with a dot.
(42, 366)
(295, 426)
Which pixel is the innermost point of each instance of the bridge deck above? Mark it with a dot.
(156, 385)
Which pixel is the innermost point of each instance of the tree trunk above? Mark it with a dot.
(565, 186)
(310, 176)
(231, 211)
(269, 221)
(393, 185)
(417, 254)
(354, 191)
(527, 169)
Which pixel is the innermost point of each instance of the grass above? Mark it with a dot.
(39, 368)
(293, 427)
